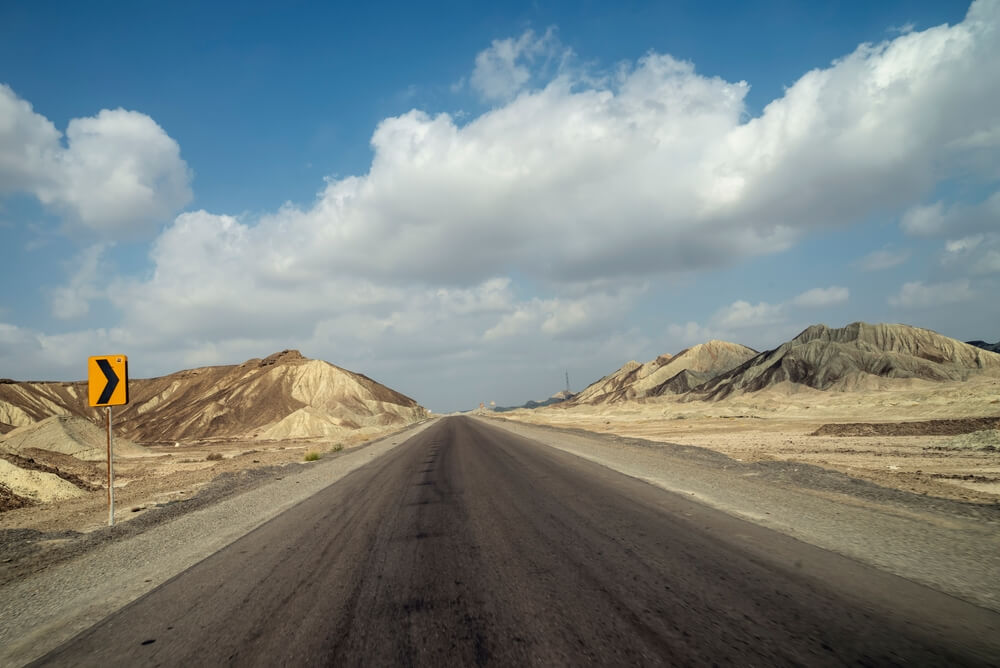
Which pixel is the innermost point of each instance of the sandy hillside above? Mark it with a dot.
(284, 395)
(36, 486)
(775, 406)
(779, 424)
(667, 374)
(68, 435)
(857, 357)
(195, 424)
(43, 462)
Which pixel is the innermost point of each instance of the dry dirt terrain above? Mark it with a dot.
(177, 434)
(471, 545)
(948, 446)
(166, 475)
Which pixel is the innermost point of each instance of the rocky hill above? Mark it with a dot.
(282, 396)
(556, 398)
(666, 374)
(992, 347)
(858, 356)
(68, 435)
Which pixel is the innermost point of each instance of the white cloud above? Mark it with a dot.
(882, 259)
(924, 220)
(760, 322)
(654, 170)
(976, 255)
(989, 263)
(650, 171)
(26, 354)
(29, 144)
(504, 69)
(575, 180)
(119, 173)
(980, 139)
(561, 317)
(72, 300)
(963, 245)
(759, 326)
(12, 335)
(741, 314)
(691, 333)
(819, 297)
(936, 220)
(918, 295)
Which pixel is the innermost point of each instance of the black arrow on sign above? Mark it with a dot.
(112, 377)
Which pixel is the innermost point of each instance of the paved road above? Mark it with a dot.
(468, 545)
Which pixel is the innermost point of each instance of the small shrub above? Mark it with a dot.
(214, 457)
(337, 448)
(312, 456)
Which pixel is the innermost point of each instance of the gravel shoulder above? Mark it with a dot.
(47, 597)
(949, 545)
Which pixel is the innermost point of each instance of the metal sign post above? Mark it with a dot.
(111, 473)
(108, 386)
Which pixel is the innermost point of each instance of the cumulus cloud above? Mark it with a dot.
(819, 297)
(118, 173)
(72, 300)
(505, 67)
(742, 314)
(963, 245)
(28, 145)
(216, 276)
(763, 322)
(937, 219)
(977, 254)
(919, 295)
(574, 179)
(691, 333)
(882, 259)
(561, 317)
(12, 336)
(924, 220)
(651, 171)
(989, 263)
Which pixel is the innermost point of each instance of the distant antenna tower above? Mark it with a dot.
(567, 382)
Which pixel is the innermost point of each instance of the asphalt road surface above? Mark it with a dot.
(467, 545)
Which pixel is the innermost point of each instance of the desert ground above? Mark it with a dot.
(161, 476)
(951, 446)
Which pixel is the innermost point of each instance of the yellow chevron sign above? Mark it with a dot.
(107, 378)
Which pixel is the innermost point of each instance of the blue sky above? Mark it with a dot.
(464, 201)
